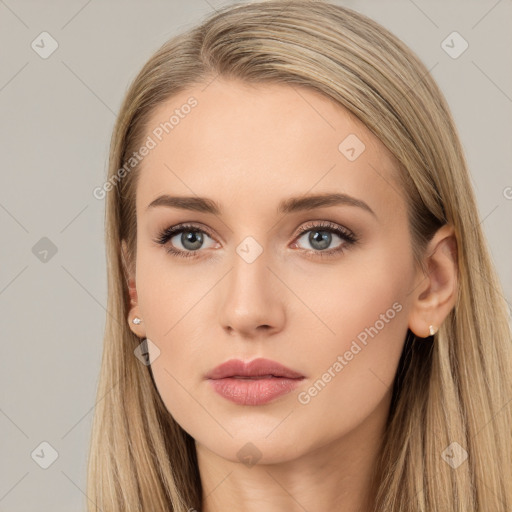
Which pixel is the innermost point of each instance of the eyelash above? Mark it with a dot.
(347, 236)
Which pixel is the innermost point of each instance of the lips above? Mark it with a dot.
(253, 369)
(254, 383)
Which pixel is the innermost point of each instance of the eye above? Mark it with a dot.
(190, 237)
(319, 236)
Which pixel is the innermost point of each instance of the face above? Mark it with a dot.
(320, 286)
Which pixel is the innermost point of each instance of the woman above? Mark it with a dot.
(303, 311)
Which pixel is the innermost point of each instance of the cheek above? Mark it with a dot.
(172, 302)
(169, 294)
(360, 339)
(345, 300)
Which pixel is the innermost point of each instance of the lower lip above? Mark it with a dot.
(253, 391)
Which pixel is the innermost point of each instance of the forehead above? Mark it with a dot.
(232, 140)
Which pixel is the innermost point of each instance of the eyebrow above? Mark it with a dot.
(290, 205)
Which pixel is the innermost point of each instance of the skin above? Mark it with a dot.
(248, 148)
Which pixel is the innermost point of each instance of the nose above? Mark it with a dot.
(252, 302)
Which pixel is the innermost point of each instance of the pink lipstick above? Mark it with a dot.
(254, 383)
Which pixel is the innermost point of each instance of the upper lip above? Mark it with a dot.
(255, 368)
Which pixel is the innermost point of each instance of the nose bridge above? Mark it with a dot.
(251, 298)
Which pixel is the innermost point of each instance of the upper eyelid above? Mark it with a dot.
(325, 224)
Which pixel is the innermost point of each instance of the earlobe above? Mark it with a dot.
(436, 294)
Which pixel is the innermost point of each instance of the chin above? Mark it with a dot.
(251, 445)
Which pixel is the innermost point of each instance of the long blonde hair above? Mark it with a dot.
(454, 389)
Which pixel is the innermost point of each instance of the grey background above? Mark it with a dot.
(56, 118)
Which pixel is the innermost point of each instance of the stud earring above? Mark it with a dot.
(136, 320)
(432, 330)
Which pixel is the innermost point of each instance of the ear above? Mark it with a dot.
(134, 311)
(435, 292)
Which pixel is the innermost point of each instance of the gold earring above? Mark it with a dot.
(432, 330)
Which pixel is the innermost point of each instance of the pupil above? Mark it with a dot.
(191, 237)
(323, 240)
